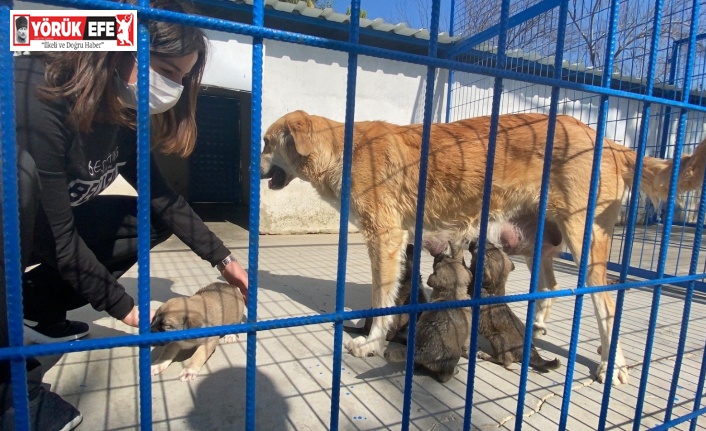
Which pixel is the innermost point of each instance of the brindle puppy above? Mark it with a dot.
(498, 324)
(442, 336)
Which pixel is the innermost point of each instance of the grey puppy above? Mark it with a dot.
(498, 324)
(215, 305)
(442, 336)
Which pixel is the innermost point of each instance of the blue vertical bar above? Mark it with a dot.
(419, 221)
(345, 210)
(687, 306)
(254, 221)
(543, 198)
(667, 121)
(449, 90)
(666, 232)
(11, 220)
(632, 213)
(590, 211)
(143, 215)
(699, 390)
(485, 210)
(668, 110)
(693, 267)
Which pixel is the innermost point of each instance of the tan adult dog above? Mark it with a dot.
(217, 304)
(385, 178)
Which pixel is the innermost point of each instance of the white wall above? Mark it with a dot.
(229, 62)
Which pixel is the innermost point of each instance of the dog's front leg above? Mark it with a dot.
(161, 361)
(605, 311)
(198, 359)
(385, 250)
(546, 281)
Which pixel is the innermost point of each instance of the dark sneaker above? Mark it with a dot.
(47, 412)
(43, 333)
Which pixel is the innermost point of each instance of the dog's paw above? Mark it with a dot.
(229, 338)
(188, 374)
(539, 329)
(361, 347)
(157, 369)
(620, 373)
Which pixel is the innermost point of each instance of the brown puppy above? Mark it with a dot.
(215, 305)
(385, 177)
(498, 324)
(442, 336)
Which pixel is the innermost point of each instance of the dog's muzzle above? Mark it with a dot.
(277, 177)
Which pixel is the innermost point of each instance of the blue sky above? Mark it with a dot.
(417, 12)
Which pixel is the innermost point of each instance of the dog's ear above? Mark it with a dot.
(193, 319)
(299, 127)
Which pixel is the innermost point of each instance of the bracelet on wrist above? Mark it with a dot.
(222, 264)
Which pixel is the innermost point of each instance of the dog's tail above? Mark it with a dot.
(542, 365)
(656, 173)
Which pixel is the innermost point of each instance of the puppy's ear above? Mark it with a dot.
(473, 246)
(431, 281)
(156, 324)
(456, 252)
(299, 126)
(193, 319)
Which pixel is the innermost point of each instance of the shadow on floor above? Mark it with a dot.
(236, 214)
(219, 403)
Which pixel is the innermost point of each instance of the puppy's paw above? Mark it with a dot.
(188, 374)
(620, 373)
(362, 347)
(483, 356)
(157, 369)
(229, 338)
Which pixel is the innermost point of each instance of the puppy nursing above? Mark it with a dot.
(384, 187)
(443, 335)
(215, 305)
(497, 323)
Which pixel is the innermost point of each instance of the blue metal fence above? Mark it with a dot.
(472, 67)
(533, 53)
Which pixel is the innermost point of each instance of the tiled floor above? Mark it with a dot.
(297, 277)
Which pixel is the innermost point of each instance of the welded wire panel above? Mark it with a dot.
(500, 63)
(532, 46)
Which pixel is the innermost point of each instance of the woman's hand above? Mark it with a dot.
(237, 276)
(133, 317)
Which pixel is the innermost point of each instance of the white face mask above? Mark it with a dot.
(164, 93)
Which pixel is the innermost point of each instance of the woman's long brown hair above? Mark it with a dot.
(87, 80)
